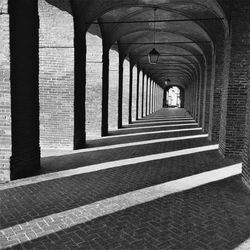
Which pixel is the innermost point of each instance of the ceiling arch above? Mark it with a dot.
(186, 35)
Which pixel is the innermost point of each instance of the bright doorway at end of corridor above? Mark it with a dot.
(173, 97)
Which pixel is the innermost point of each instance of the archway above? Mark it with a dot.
(174, 97)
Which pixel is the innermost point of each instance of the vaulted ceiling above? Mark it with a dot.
(184, 32)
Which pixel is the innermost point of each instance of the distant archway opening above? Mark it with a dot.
(174, 97)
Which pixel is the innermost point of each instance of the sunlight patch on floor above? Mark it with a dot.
(244, 246)
(162, 122)
(161, 126)
(151, 133)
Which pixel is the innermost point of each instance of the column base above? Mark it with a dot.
(26, 166)
(80, 141)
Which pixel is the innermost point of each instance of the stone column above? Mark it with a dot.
(24, 43)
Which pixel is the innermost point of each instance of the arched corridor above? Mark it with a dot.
(124, 124)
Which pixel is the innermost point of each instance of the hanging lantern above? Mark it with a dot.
(153, 56)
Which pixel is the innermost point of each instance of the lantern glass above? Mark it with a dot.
(153, 56)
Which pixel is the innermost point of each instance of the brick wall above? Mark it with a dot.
(246, 151)
(215, 110)
(93, 86)
(234, 119)
(5, 105)
(125, 98)
(4, 7)
(224, 94)
(56, 77)
(113, 88)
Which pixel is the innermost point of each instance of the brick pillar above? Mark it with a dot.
(188, 99)
(157, 97)
(120, 90)
(79, 89)
(204, 90)
(105, 90)
(196, 98)
(246, 151)
(160, 98)
(234, 98)
(149, 95)
(215, 109)
(207, 92)
(193, 97)
(182, 97)
(154, 97)
(164, 98)
(146, 112)
(24, 40)
(137, 93)
(211, 101)
(201, 96)
(130, 92)
(142, 98)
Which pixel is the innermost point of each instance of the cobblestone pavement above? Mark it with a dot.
(130, 206)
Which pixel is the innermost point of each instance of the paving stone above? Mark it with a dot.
(213, 216)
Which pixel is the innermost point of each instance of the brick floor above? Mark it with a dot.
(213, 216)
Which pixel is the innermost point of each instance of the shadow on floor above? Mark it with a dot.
(71, 161)
(212, 217)
(28, 202)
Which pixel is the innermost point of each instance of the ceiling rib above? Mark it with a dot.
(163, 43)
(159, 21)
(166, 55)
